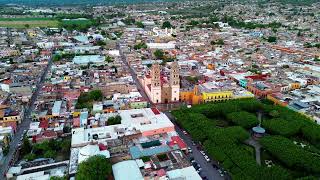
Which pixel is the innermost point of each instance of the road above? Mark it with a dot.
(134, 76)
(208, 170)
(26, 120)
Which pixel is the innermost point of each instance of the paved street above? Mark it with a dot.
(134, 76)
(208, 170)
(26, 120)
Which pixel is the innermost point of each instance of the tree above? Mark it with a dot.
(159, 54)
(96, 95)
(114, 120)
(272, 39)
(27, 25)
(108, 59)
(6, 150)
(66, 129)
(218, 42)
(139, 24)
(166, 24)
(274, 113)
(58, 178)
(26, 146)
(56, 57)
(30, 157)
(65, 146)
(101, 43)
(50, 154)
(94, 168)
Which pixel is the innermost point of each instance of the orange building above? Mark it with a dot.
(276, 99)
(193, 97)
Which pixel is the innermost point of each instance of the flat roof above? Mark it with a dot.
(133, 121)
(127, 170)
(56, 108)
(188, 173)
(88, 59)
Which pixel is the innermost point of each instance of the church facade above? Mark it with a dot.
(162, 88)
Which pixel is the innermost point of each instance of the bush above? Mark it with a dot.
(94, 168)
(292, 155)
(243, 119)
(281, 127)
(30, 157)
(114, 120)
(85, 100)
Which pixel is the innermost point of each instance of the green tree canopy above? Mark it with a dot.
(94, 168)
(159, 54)
(166, 24)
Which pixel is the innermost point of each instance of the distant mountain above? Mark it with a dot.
(74, 2)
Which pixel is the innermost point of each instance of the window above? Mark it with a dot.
(136, 115)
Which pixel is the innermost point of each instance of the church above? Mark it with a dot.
(162, 88)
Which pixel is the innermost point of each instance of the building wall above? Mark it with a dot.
(175, 93)
(166, 94)
(258, 92)
(155, 94)
(276, 101)
(217, 96)
(190, 97)
(295, 86)
(12, 119)
(186, 96)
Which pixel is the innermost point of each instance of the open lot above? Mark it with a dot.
(28, 22)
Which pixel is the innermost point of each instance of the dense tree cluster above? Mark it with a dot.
(227, 144)
(291, 154)
(114, 120)
(243, 119)
(249, 25)
(141, 45)
(85, 99)
(94, 168)
(159, 54)
(46, 149)
(281, 127)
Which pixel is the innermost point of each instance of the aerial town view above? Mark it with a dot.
(160, 89)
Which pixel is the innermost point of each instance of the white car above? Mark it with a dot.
(207, 158)
(185, 132)
(189, 150)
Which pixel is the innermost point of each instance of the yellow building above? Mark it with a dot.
(295, 86)
(195, 97)
(8, 119)
(217, 96)
(76, 114)
(66, 78)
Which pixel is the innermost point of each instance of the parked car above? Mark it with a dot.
(221, 172)
(203, 153)
(185, 132)
(207, 158)
(189, 150)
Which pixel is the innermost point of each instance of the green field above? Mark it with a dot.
(28, 22)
